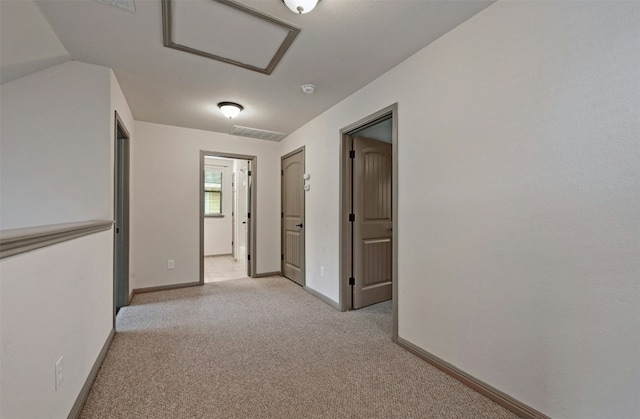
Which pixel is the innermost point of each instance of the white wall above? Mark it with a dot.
(56, 146)
(166, 165)
(218, 230)
(518, 201)
(56, 301)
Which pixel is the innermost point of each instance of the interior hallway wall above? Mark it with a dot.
(166, 208)
(519, 198)
(56, 166)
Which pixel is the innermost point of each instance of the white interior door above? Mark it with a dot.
(242, 191)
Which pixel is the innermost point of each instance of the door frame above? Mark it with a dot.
(346, 194)
(303, 266)
(252, 181)
(121, 164)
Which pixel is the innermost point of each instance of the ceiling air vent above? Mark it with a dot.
(260, 134)
(121, 4)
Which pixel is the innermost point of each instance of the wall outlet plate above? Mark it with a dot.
(170, 264)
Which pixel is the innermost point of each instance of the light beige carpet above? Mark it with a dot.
(264, 348)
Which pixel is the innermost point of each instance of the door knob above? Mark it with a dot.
(299, 225)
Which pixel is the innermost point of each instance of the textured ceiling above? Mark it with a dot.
(343, 45)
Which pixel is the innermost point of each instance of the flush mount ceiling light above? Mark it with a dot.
(230, 109)
(300, 6)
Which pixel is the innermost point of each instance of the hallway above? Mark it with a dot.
(265, 348)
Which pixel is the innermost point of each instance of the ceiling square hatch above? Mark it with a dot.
(227, 31)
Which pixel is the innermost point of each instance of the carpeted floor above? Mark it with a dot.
(265, 348)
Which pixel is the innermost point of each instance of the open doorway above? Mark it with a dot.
(121, 218)
(368, 222)
(227, 228)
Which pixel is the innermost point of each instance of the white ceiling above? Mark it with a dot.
(343, 45)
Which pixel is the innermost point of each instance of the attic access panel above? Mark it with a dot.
(227, 31)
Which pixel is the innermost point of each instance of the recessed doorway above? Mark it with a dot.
(227, 216)
(121, 218)
(368, 222)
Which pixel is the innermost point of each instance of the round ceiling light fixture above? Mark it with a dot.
(300, 6)
(230, 109)
(308, 88)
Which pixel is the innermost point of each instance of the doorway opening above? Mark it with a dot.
(368, 221)
(121, 218)
(227, 216)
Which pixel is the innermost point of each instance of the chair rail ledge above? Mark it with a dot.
(21, 240)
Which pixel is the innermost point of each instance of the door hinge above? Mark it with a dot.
(282, 215)
(248, 257)
(248, 215)
(281, 172)
(352, 218)
(249, 173)
(117, 230)
(352, 281)
(281, 257)
(352, 154)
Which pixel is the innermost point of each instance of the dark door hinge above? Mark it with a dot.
(281, 172)
(248, 215)
(352, 218)
(282, 215)
(248, 257)
(249, 173)
(352, 154)
(352, 281)
(281, 257)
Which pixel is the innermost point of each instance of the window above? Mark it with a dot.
(212, 191)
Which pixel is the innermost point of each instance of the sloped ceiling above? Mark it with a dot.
(343, 45)
(27, 42)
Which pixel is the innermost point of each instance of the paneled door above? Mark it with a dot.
(292, 243)
(373, 221)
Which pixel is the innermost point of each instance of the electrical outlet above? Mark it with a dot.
(170, 264)
(322, 271)
(59, 376)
